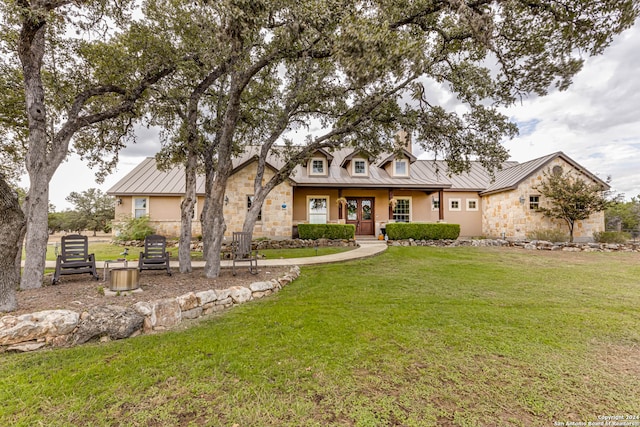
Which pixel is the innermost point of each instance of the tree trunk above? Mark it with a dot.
(186, 215)
(31, 50)
(11, 225)
(214, 227)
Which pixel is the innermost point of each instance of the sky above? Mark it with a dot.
(596, 122)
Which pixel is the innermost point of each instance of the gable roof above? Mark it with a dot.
(146, 178)
(427, 175)
(510, 178)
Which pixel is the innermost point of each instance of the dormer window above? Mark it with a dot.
(359, 167)
(401, 167)
(318, 166)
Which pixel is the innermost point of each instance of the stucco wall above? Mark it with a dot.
(503, 214)
(470, 219)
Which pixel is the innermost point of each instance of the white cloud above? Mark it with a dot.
(596, 122)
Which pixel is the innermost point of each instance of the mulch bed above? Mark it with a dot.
(80, 292)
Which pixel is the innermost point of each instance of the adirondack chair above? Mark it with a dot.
(74, 258)
(155, 255)
(241, 251)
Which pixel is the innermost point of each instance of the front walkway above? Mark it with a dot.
(368, 248)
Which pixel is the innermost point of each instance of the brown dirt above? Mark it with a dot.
(80, 292)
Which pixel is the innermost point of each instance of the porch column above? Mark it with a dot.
(390, 207)
(340, 204)
(441, 205)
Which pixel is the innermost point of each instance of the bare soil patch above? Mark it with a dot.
(80, 292)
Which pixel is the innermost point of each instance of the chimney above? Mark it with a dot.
(404, 140)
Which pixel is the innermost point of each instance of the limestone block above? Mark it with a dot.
(194, 313)
(143, 308)
(240, 294)
(225, 301)
(110, 321)
(223, 293)
(206, 297)
(30, 346)
(187, 301)
(258, 295)
(260, 286)
(30, 327)
(166, 313)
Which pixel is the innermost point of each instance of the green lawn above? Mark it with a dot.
(107, 251)
(415, 337)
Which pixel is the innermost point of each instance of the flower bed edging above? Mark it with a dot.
(65, 328)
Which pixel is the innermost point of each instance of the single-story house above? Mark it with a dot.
(350, 186)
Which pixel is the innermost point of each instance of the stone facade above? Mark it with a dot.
(277, 210)
(509, 215)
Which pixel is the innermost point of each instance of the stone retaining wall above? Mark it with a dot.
(524, 244)
(63, 328)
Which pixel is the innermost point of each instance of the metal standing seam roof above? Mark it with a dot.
(146, 179)
(510, 178)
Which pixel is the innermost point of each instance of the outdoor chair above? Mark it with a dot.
(241, 251)
(155, 255)
(74, 258)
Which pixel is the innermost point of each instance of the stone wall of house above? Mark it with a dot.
(505, 216)
(277, 211)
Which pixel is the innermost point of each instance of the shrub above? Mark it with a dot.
(548, 235)
(611, 237)
(135, 229)
(326, 231)
(422, 231)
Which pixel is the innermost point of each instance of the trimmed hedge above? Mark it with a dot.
(326, 231)
(422, 231)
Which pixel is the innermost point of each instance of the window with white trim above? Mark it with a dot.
(534, 202)
(318, 209)
(472, 204)
(250, 203)
(400, 167)
(359, 167)
(455, 205)
(402, 210)
(140, 207)
(318, 166)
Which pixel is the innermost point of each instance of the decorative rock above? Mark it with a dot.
(223, 294)
(165, 313)
(30, 346)
(112, 321)
(194, 313)
(258, 295)
(143, 308)
(224, 302)
(30, 327)
(206, 297)
(188, 301)
(239, 294)
(261, 286)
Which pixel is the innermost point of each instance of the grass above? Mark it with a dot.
(416, 337)
(107, 251)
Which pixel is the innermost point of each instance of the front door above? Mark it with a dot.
(360, 214)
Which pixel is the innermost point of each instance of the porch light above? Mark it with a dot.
(118, 201)
(522, 200)
(226, 200)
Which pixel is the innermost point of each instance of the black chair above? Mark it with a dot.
(74, 258)
(241, 251)
(155, 255)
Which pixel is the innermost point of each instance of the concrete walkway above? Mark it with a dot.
(368, 248)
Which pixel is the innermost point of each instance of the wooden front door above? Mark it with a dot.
(360, 214)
